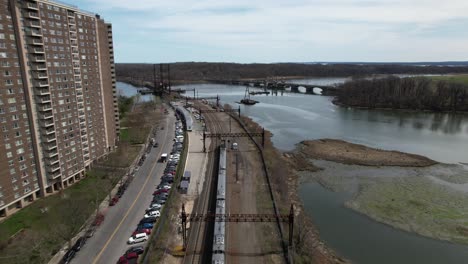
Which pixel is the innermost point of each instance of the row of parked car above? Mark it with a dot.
(153, 212)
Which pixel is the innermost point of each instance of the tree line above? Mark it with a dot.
(204, 71)
(404, 93)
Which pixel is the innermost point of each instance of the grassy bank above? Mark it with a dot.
(416, 204)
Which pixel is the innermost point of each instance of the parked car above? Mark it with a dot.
(164, 186)
(68, 256)
(150, 219)
(79, 243)
(154, 206)
(145, 225)
(137, 249)
(114, 200)
(159, 198)
(160, 191)
(152, 213)
(142, 230)
(160, 201)
(138, 238)
(90, 232)
(127, 258)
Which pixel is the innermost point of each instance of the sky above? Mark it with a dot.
(268, 31)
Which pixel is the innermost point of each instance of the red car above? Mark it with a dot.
(160, 191)
(128, 258)
(114, 201)
(98, 220)
(142, 230)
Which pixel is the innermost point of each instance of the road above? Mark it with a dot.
(109, 241)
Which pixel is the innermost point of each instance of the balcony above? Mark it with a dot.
(71, 14)
(46, 107)
(71, 21)
(43, 91)
(78, 93)
(50, 138)
(32, 6)
(81, 113)
(74, 50)
(44, 99)
(43, 84)
(39, 67)
(49, 146)
(77, 72)
(83, 132)
(76, 65)
(77, 79)
(54, 175)
(72, 35)
(80, 106)
(36, 50)
(50, 154)
(75, 57)
(36, 41)
(32, 15)
(52, 161)
(53, 168)
(34, 32)
(82, 120)
(72, 28)
(48, 131)
(38, 59)
(34, 24)
(46, 116)
(47, 123)
(40, 76)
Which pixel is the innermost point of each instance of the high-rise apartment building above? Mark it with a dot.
(58, 105)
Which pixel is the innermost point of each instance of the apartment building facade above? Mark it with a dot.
(58, 104)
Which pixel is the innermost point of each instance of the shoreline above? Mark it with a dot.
(397, 192)
(408, 110)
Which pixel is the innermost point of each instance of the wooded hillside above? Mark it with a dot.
(200, 71)
(404, 93)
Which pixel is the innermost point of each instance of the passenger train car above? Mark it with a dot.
(219, 237)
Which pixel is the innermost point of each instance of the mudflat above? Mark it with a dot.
(355, 154)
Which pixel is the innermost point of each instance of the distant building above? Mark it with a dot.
(58, 104)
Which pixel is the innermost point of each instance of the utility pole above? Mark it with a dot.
(237, 166)
(169, 76)
(155, 86)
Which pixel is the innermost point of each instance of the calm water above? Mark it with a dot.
(129, 90)
(296, 117)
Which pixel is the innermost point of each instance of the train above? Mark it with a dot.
(186, 117)
(219, 235)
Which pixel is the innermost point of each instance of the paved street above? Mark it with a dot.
(109, 241)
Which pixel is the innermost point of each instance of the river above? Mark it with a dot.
(295, 117)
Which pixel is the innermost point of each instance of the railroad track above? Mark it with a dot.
(198, 245)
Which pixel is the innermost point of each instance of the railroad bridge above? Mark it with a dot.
(327, 90)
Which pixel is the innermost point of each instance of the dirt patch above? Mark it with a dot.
(349, 153)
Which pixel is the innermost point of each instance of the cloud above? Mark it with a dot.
(272, 28)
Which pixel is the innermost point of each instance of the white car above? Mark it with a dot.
(153, 213)
(154, 206)
(141, 237)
